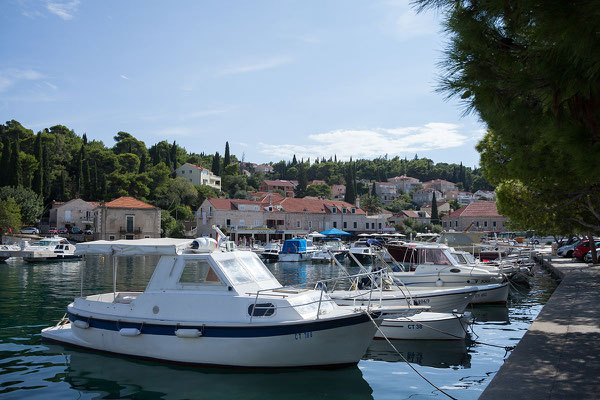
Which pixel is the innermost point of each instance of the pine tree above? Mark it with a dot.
(435, 218)
(350, 196)
(47, 183)
(62, 187)
(38, 176)
(142, 163)
(300, 190)
(226, 157)
(173, 157)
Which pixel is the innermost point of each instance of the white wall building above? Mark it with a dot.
(198, 175)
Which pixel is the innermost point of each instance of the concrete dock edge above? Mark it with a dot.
(559, 356)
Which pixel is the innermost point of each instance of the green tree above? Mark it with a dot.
(16, 179)
(10, 215)
(204, 192)
(5, 177)
(226, 157)
(529, 69)
(300, 189)
(31, 203)
(350, 195)
(435, 218)
(38, 177)
(370, 203)
(216, 164)
(29, 165)
(319, 190)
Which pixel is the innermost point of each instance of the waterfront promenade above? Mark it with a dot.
(559, 356)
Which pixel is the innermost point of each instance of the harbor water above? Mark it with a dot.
(34, 296)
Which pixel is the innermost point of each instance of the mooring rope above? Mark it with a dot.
(405, 360)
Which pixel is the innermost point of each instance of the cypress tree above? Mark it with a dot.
(373, 189)
(62, 187)
(38, 176)
(173, 156)
(434, 211)
(93, 193)
(86, 180)
(79, 169)
(46, 158)
(294, 161)
(226, 157)
(216, 164)
(143, 163)
(15, 165)
(5, 163)
(350, 196)
(300, 190)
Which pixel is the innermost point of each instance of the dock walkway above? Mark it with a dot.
(559, 356)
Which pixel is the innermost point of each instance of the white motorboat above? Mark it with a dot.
(425, 326)
(426, 264)
(212, 307)
(44, 250)
(362, 251)
(270, 252)
(332, 247)
(6, 251)
(295, 250)
(65, 251)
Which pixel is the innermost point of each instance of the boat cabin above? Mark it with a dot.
(296, 245)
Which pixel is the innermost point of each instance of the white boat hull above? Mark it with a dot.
(425, 326)
(295, 257)
(333, 342)
(453, 301)
(491, 294)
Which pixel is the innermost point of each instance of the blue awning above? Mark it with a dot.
(335, 232)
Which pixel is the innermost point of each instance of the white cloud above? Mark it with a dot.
(260, 65)
(125, 77)
(403, 22)
(10, 76)
(371, 143)
(64, 10)
(50, 85)
(174, 131)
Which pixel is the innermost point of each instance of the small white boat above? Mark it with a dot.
(206, 306)
(270, 252)
(295, 250)
(65, 251)
(332, 247)
(6, 251)
(361, 251)
(425, 326)
(44, 250)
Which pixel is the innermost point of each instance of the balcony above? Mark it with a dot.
(135, 231)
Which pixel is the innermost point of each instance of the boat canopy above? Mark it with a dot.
(295, 245)
(138, 247)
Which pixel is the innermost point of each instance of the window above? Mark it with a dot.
(297, 224)
(111, 237)
(344, 210)
(146, 236)
(380, 225)
(434, 256)
(494, 224)
(309, 224)
(129, 220)
(129, 237)
(242, 222)
(256, 268)
(190, 171)
(345, 224)
(485, 224)
(355, 225)
(198, 271)
(334, 224)
(236, 271)
(227, 222)
(256, 222)
(353, 210)
(372, 225)
(477, 223)
(367, 225)
(334, 210)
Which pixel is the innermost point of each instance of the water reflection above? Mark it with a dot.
(429, 353)
(482, 313)
(115, 377)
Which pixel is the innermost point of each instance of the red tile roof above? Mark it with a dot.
(479, 209)
(278, 183)
(128, 202)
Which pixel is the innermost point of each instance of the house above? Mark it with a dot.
(287, 187)
(485, 195)
(478, 216)
(463, 198)
(127, 218)
(338, 192)
(442, 206)
(386, 191)
(440, 185)
(198, 175)
(73, 213)
(425, 195)
(264, 169)
(405, 184)
(316, 182)
(417, 216)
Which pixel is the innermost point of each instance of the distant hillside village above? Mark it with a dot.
(57, 180)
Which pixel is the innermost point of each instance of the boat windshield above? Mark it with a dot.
(235, 271)
(256, 268)
(47, 243)
(434, 256)
(198, 271)
(459, 258)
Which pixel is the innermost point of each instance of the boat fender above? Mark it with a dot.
(129, 332)
(81, 324)
(188, 333)
(439, 283)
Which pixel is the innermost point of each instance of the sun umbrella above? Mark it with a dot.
(335, 232)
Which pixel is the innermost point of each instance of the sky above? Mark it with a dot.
(273, 78)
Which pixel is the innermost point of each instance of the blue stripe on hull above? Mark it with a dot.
(223, 331)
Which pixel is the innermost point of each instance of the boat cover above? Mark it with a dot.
(138, 247)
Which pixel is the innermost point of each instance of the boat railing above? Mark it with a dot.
(320, 285)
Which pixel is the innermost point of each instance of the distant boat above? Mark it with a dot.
(295, 250)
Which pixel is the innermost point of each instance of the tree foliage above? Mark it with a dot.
(10, 215)
(31, 204)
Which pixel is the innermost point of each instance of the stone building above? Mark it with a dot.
(127, 218)
(73, 213)
(198, 175)
(480, 216)
(405, 184)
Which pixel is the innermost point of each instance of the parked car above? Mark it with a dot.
(89, 231)
(567, 250)
(75, 230)
(588, 256)
(52, 231)
(582, 249)
(30, 230)
(62, 231)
